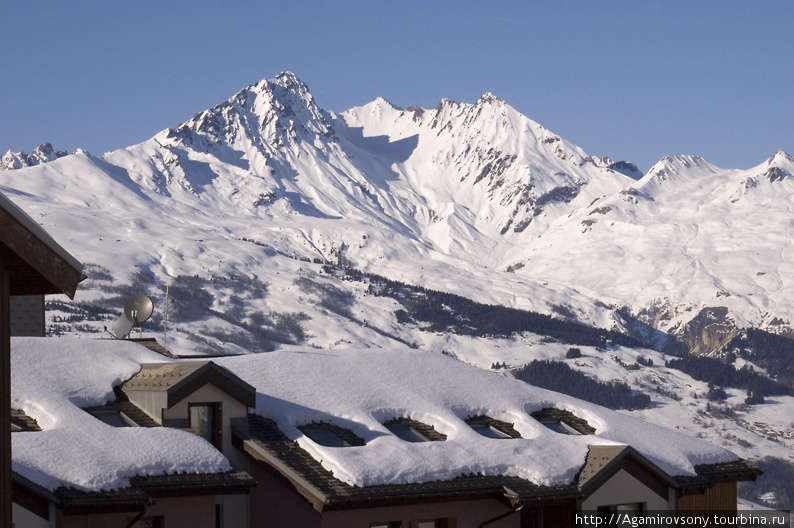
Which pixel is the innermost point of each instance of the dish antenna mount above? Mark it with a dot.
(138, 309)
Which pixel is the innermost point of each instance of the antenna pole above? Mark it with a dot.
(138, 323)
(165, 326)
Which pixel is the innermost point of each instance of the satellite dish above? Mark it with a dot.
(138, 308)
(122, 327)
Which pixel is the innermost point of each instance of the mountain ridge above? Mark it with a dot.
(466, 229)
(476, 186)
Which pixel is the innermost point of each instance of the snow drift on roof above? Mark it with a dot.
(362, 389)
(52, 380)
(356, 389)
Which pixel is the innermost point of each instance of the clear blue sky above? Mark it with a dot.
(631, 80)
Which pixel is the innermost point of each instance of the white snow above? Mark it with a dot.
(361, 389)
(743, 504)
(52, 380)
(396, 188)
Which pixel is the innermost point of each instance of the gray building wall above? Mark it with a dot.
(27, 316)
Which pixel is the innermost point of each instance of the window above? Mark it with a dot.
(561, 427)
(201, 418)
(633, 510)
(330, 435)
(326, 438)
(408, 433)
(563, 422)
(413, 431)
(205, 420)
(491, 432)
(114, 418)
(491, 428)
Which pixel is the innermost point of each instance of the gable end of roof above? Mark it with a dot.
(181, 379)
(603, 462)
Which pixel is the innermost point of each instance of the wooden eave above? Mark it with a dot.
(36, 263)
(193, 485)
(311, 493)
(34, 497)
(135, 498)
(75, 502)
(739, 470)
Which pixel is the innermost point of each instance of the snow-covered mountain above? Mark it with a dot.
(240, 209)
(687, 236)
(452, 196)
(41, 154)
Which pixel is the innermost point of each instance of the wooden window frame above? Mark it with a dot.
(216, 434)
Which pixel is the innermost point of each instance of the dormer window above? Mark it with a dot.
(491, 428)
(326, 438)
(330, 435)
(563, 422)
(113, 418)
(205, 420)
(408, 433)
(562, 428)
(413, 431)
(491, 432)
(197, 396)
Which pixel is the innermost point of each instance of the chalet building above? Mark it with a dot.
(112, 433)
(199, 398)
(32, 264)
(293, 485)
(294, 456)
(277, 481)
(401, 438)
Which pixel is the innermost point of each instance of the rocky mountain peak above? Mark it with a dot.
(274, 111)
(289, 80)
(44, 153)
(779, 167)
(780, 157)
(670, 166)
(488, 98)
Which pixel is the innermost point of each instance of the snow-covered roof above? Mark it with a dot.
(31, 225)
(361, 389)
(53, 379)
(355, 389)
